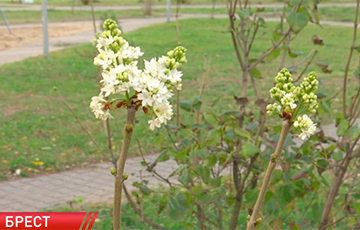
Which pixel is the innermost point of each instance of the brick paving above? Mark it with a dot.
(93, 185)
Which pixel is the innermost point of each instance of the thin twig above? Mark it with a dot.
(349, 58)
(150, 168)
(177, 21)
(79, 122)
(307, 65)
(133, 205)
(93, 16)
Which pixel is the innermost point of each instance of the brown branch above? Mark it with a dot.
(265, 54)
(307, 65)
(349, 58)
(93, 16)
(79, 122)
(334, 189)
(150, 167)
(128, 131)
(272, 163)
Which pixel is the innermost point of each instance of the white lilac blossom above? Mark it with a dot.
(295, 102)
(152, 87)
(307, 126)
(98, 107)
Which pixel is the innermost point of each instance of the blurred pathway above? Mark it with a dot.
(60, 189)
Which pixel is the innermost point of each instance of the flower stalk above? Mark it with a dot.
(119, 178)
(149, 89)
(292, 104)
(272, 163)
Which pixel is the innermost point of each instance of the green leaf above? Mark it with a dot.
(294, 54)
(277, 35)
(185, 105)
(343, 127)
(216, 182)
(215, 101)
(251, 197)
(249, 149)
(184, 177)
(316, 212)
(198, 189)
(338, 155)
(145, 190)
(209, 118)
(326, 107)
(269, 194)
(255, 73)
(284, 194)
(321, 165)
(261, 22)
(276, 176)
(357, 206)
(196, 103)
(297, 21)
(203, 172)
(242, 133)
(210, 162)
(357, 74)
(181, 155)
(164, 156)
(159, 141)
(244, 13)
(352, 133)
(273, 55)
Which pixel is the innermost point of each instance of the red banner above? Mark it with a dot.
(47, 220)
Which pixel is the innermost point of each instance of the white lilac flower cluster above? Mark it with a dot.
(306, 125)
(153, 86)
(293, 101)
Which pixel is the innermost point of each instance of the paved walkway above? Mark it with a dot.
(59, 189)
(95, 184)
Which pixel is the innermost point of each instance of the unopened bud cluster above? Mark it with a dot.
(153, 86)
(293, 101)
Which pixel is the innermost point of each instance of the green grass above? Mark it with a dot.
(34, 124)
(129, 219)
(26, 16)
(129, 2)
(342, 14)
(155, 2)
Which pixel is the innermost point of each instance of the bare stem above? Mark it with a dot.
(350, 56)
(82, 126)
(93, 15)
(334, 189)
(274, 158)
(106, 124)
(128, 131)
(177, 22)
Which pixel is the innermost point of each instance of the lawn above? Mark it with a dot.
(54, 15)
(38, 133)
(155, 2)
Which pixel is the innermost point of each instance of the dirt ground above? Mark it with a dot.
(33, 34)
